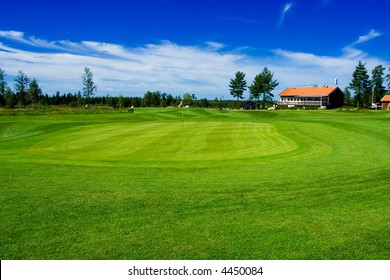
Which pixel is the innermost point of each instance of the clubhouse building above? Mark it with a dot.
(331, 97)
(386, 102)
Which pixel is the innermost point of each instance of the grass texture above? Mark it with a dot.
(195, 184)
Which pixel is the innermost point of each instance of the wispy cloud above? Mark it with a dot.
(287, 7)
(166, 66)
(367, 37)
(204, 70)
(32, 41)
(15, 35)
(320, 70)
(352, 52)
(215, 46)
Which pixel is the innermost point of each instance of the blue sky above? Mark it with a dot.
(190, 46)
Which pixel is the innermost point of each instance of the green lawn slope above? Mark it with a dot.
(194, 184)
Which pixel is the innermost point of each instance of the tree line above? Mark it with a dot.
(262, 86)
(366, 90)
(27, 92)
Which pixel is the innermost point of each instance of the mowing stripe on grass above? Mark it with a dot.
(162, 142)
(225, 185)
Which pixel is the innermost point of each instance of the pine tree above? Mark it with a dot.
(263, 84)
(34, 92)
(377, 83)
(238, 85)
(347, 96)
(388, 79)
(3, 83)
(361, 85)
(3, 86)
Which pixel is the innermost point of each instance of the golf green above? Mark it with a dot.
(166, 142)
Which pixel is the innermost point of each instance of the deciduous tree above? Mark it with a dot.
(187, 99)
(21, 87)
(89, 86)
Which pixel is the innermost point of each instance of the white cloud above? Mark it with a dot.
(300, 68)
(215, 46)
(117, 70)
(307, 69)
(15, 35)
(367, 37)
(204, 70)
(287, 7)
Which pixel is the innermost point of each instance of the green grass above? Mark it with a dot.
(209, 185)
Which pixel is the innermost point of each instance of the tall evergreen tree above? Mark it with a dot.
(388, 79)
(238, 85)
(377, 80)
(3, 85)
(263, 84)
(34, 92)
(9, 98)
(347, 96)
(361, 85)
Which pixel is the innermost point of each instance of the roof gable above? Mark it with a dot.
(308, 91)
(386, 98)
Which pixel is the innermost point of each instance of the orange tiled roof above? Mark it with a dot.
(308, 91)
(386, 98)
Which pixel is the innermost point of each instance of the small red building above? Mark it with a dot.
(386, 102)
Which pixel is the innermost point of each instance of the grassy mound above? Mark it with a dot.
(154, 143)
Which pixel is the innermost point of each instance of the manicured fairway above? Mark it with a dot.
(195, 184)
